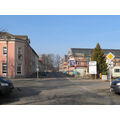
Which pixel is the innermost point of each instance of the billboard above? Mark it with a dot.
(92, 67)
(72, 62)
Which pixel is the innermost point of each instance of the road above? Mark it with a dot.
(60, 90)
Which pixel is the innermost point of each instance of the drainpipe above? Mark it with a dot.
(7, 59)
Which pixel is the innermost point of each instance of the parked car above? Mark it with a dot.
(115, 86)
(6, 86)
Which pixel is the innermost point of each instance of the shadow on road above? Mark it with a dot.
(18, 93)
(55, 75)
(33, 87)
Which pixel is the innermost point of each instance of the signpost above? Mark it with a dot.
(110, 57)
(93, 68)
(37, 69)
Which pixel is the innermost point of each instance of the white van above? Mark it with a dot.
(116, 72)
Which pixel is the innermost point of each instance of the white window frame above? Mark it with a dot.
(4, 50)
(117, 70)
(4, 66)
(19, 53)
(20, 72)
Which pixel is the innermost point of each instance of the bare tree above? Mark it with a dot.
(2, 32)
(57, 62)
(51, 62)
(48, 61)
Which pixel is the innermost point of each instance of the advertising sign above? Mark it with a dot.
(92, 63)
(92, 67)
(72, 62)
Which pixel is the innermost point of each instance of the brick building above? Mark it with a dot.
(16, 51)
(63, 64)
(80, 57)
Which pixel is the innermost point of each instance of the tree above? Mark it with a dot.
(48, 61)
(2, 32)
(57, 62)
(51, 62)
(99, 56)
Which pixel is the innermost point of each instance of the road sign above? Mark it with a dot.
(110, 56)
(93, 67)
(37, 69)
(110, 64)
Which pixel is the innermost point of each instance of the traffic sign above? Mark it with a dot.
(110, 56)
(111, 64)
(37, 69)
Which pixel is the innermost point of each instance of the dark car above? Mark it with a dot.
(116, 85)
(6, 86)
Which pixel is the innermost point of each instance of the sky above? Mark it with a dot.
(56, 34)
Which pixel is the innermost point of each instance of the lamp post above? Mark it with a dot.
(37, 71)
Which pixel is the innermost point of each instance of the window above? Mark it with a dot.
(79, 63)
(4, 50)
(4, 68)
(19, 50)
(19, 69)
(19, 53)
(117, 70)
(1, 37)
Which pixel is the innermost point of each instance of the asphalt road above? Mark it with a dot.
(59, 90)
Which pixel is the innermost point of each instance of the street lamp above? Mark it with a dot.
(37, 69)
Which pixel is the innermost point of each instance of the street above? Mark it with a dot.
(60, 90)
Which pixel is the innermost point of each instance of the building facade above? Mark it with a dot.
(78, 58)
(17, 58)
(63, 66)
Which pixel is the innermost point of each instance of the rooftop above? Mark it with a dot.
(11, 36)
(24, 38)
(89, 51)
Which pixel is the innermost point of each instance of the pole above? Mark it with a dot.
(37, 71)
(68, 69)
(95, 77)
(110, 76)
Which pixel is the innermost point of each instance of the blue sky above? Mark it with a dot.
(56, 34)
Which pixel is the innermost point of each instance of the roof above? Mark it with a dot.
(89, 51)
(5, 33)
(19, 37)
(34, 52)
